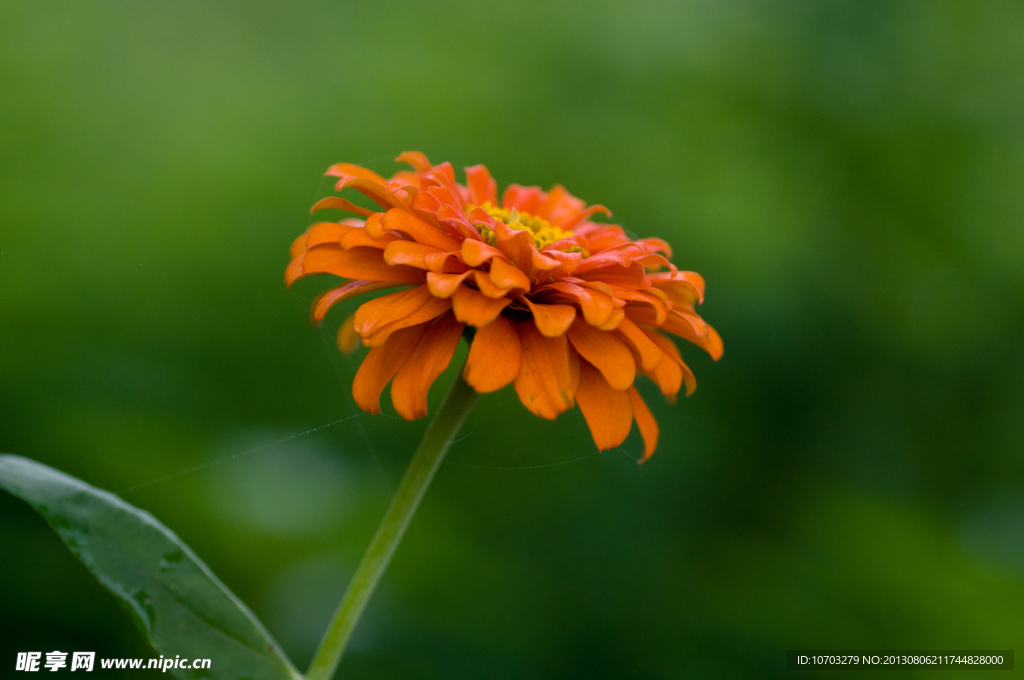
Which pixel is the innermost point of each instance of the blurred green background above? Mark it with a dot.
(846, 175)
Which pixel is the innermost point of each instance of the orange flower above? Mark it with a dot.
(566, 309)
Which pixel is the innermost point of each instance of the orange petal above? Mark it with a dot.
(445, 285)
(582, 215)
(297, 247)
(475, 308)
(475, 253)
(348, 339)
(549, 372)
(406, 180)
(481, 187)
(417, 229)
(293, 272)
(327, 299)
(429, 359)
(442, 262)
(567, 261)
(540, 261)
(559, 204)
(607, 411)
(605, 351)
(417, 159)
(653, 299)
(455, 222)
(359, 263)
(614, 320)
(377, 319)
(408, 253)
(683, 288)
(493, 360)
(715, 347)
(523, 199)
(515, 244)
(645, 421)
(325, 232)
(354, 238)
(668, 376)
(339, 203)
(650, 354)
(596, 306)
(655, 244)
(446, 171)
(373, 190)
(665, 370)
(349, 170)
(374, 228)
(683, 323)
(381, 364)
(504, 275)
(486, 286)
(551, 320)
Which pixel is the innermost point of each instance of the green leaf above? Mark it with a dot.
(169, 593)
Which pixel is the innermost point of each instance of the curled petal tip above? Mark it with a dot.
(417, 159)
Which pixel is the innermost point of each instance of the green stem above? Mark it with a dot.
(438, 437)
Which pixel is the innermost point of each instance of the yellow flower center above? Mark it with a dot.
(544, 233)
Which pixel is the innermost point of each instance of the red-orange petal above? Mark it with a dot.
(605, 351)
(549, 372)
(327, 299)
(493, 360)
(475, 308)
(432, 355)
(645, 421)
(607, 411)
(551, 320)
(381, 364)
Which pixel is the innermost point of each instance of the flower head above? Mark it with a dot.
(566, 309)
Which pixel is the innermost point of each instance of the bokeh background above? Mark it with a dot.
(846, 175)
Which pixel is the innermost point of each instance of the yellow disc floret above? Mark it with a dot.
(544, 233)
